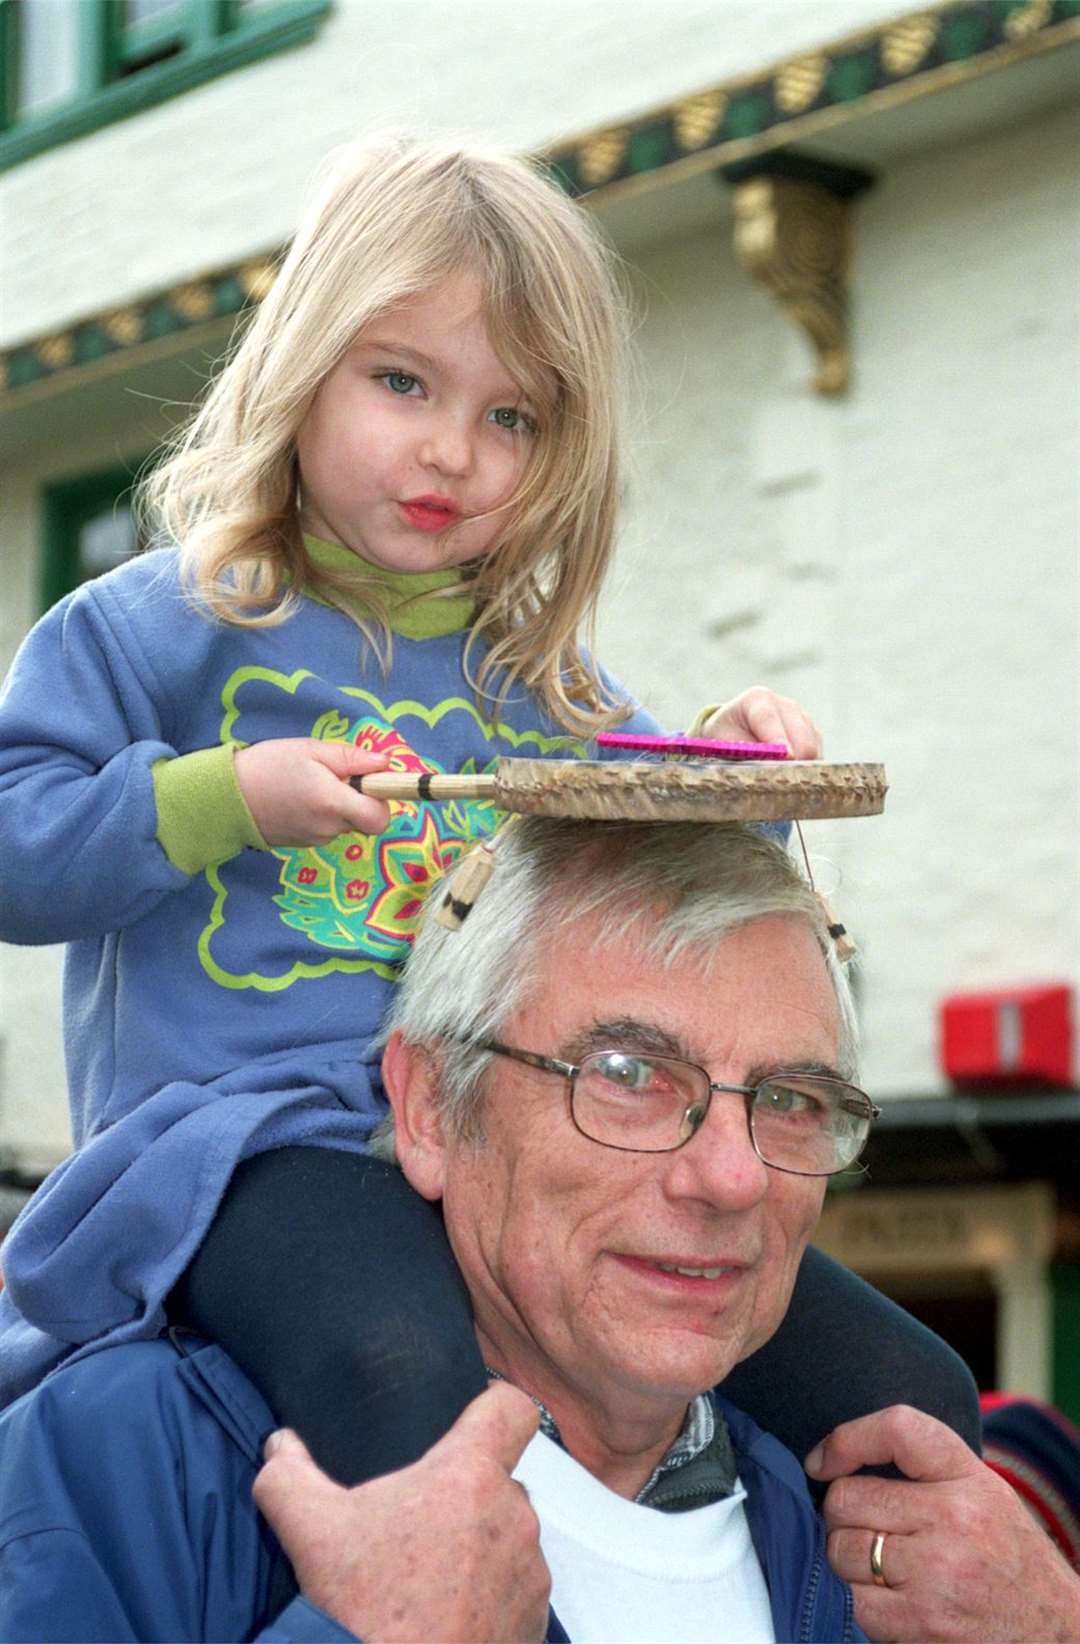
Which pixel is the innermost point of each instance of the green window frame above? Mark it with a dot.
(125, 66)
(68, 506)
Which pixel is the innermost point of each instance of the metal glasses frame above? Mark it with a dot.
(570, 1071)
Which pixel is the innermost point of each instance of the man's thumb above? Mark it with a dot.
(500, 1422)
(290, 1489)
(917, 1444)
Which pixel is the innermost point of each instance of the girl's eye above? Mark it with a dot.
(514, 421)
(399, 382)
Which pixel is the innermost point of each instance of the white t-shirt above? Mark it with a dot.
(626, 1574)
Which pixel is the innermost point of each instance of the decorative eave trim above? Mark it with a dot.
(913, 56)
(122, 337)
(876, 69)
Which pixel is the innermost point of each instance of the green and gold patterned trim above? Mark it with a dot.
(122, 334)
(895, 62)
(913, 56)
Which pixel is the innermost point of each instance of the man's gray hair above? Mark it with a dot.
(676, 887)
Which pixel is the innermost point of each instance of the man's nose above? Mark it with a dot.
(447, 445)
(718, 1164)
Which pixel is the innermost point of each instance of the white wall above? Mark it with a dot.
(907, 561)
(217, 174)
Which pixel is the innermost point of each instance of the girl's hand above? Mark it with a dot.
(297, 789)
(758, 715)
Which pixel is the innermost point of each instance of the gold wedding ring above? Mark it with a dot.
(876, 1549)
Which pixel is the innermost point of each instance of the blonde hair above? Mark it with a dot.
(395, 216)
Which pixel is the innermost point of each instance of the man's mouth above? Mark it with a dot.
(694, 1272)
(674, 1270)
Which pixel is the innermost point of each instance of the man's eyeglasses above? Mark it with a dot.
(805, 1123)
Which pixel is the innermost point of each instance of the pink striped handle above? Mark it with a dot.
(699, 747)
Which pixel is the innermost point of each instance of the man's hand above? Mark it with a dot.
(448, 1549)
(297, 789)
(758, 715)
(964, 1561)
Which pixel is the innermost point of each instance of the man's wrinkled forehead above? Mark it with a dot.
(608, 969)
(644, 938)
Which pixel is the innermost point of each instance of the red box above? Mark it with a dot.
(1009, 1035)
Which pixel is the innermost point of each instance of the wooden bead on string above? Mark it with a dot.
(466, 881)
(842, 942)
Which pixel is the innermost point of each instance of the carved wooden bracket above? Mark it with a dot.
(793, 232)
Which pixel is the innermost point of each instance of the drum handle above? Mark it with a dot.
(428, 785)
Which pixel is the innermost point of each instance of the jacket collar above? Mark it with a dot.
(219, 1384)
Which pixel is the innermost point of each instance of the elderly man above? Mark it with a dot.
(625, 1083)
(629, 1201)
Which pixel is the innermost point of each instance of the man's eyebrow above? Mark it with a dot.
(625, 1033)
(804, 1064)
(629, 1033)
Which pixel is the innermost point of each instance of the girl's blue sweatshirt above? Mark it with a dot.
(220, 997)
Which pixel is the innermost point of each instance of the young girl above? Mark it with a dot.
(392, 517)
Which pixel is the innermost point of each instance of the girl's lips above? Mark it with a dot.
(429, 514)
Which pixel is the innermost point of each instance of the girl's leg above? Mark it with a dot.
(842, 1351)
(332, 1285)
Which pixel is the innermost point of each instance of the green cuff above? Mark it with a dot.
(701, 719)
(202, 815)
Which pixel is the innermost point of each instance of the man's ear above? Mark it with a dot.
(410, 1076)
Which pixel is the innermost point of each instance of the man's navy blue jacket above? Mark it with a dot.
(126, 1512)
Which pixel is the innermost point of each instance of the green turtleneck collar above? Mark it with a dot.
(411, 615)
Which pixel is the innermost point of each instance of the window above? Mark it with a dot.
(89, 528)
(70, 66)
(48, 57)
